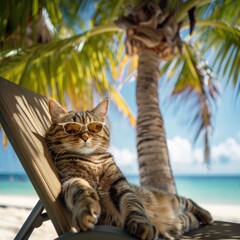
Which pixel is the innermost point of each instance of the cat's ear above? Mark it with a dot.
(101, 109)
(55, 110)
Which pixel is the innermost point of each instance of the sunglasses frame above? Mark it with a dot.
(81, 125)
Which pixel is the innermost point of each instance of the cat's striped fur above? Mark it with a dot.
(96, 191)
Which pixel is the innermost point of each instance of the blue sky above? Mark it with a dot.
(186, 157)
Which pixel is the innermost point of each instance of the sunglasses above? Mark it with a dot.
(73, 128)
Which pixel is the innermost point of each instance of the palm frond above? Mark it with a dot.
(217, 35)
(122, 105)
(27, 23)
(195, 85)
(18, 57)
(127, 70)
(226, 11)
(221, 42)
(182, 8)
(107, 11)
(77, 68)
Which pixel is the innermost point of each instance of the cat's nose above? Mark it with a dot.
(85, 136)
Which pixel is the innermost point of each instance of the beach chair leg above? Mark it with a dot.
(34, 220)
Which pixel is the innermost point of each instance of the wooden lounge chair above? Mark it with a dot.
(24, 117)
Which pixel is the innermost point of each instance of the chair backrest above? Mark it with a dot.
(24, 117)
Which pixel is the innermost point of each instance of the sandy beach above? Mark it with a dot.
(15, 209)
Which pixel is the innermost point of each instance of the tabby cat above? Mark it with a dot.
(96, 191)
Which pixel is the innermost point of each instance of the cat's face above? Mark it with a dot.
(78, 132)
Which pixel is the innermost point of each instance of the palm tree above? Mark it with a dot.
(152, 30)
(80, 57)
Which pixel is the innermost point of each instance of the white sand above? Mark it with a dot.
(224, 212)
(15, 209)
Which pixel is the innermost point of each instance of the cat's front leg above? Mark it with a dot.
(131, 210)
(139, 226)
(83, 201)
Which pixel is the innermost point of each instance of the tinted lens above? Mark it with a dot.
(95, 127)
(72, 128)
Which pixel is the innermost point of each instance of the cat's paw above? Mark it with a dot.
(143, 230)
(204, 216)
(86, 214)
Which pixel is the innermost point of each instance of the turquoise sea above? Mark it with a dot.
(203, 189)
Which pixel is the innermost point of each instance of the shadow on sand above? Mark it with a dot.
(217, 231)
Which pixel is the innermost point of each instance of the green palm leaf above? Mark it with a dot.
(227, 11)
(223, 42)
(195, 85)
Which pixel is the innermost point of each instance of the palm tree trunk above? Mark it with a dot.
(154, 165)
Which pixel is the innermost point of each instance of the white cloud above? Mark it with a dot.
(225, 157)
(185, 159)
(229, 150)
(125, 159)
(180, 150)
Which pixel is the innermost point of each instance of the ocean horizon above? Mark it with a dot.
(216, 189)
